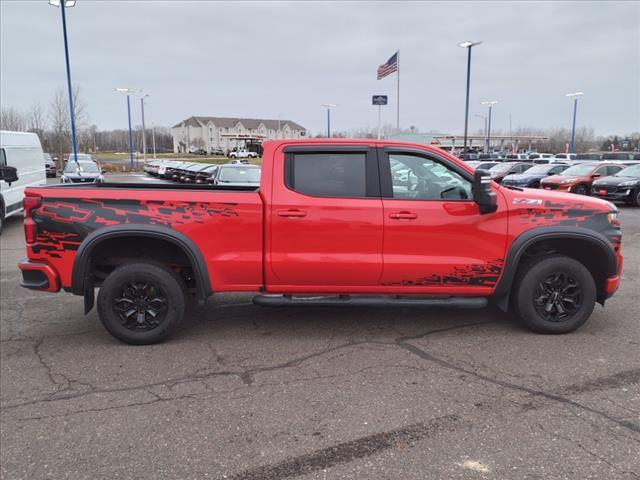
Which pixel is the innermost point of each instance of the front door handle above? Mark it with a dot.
(292, 213)
(404, 215)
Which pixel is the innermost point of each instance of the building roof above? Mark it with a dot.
(230, 122)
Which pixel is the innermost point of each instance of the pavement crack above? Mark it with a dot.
(536, 393)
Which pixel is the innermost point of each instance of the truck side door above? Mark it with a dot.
(325, 220)
(436, 240)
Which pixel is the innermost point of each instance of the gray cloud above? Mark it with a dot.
(264, 59)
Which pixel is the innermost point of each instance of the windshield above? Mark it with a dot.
(81, 157)
(239, 175)
(501, 167)
(83, 167)
(578, 170)
(540, 169)
(632, 171)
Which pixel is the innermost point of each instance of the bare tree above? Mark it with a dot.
(60, 128)
(12, 119)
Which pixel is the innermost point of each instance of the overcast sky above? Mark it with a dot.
(270, 59)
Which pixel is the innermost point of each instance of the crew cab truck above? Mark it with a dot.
(340, 222)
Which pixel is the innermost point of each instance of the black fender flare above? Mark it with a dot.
(526, 239)
(80, 278)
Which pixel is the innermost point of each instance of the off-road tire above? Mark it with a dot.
(528, 293)
(123, 283)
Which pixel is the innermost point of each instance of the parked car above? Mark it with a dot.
(21, 166)
(541, 156)
(189, 174)
(469, 157)
(217, 151)
(81, 172)
(207, 175)
(166, 169)
(578, 178)
(238, 175)
(531, 178)
(238, 161)
(617, 156)
(621, 186)
(242, 153)
(516, 157)
(501, 170)
(479, 165)
(564, 156)
(587, 157)
(50, 166)
(472, 240)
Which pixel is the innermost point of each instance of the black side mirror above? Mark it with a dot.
(483, 194)
(8, 174)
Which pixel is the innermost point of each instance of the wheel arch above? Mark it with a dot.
(580, 240)
(82, 283)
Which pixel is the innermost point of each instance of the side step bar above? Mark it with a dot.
(370, 301)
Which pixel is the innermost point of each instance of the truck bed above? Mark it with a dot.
(224, 224)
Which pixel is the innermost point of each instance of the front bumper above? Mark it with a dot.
(558, 187)
(613, 193)
(39, 276)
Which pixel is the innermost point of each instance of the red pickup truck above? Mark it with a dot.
(340, 222)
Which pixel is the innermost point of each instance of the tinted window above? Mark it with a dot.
(522, 168)
(418, 178)
(557, 170)
(613, 169)
(329, 174)
(3, 158)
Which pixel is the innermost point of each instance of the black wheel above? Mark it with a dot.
(141, 303)
(636, 198)
(581, 190)
(554, 294)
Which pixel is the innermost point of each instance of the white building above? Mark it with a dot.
(209, 133)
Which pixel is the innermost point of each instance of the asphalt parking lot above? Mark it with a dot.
(244, 392)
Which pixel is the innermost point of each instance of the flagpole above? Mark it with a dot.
(398, 104)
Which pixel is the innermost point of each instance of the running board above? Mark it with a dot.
(370, 301)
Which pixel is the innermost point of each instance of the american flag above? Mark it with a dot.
(389, 67)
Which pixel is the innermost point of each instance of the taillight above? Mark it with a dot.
(30, 203)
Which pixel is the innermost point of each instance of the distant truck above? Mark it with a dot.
(243, 153)
(23, 161)
(332, 224)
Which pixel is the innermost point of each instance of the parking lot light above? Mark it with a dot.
(63, 6)
(128, 92)
(329, 106)
(490, 103)
(468, 45)
(575, 95)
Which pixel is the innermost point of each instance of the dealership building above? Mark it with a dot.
(209, 133)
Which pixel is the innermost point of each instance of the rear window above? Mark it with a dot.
(329, 174)
(615, 156)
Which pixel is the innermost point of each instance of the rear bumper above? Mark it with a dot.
(39, 276)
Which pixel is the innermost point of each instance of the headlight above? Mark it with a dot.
(628, 184)
(612, 218)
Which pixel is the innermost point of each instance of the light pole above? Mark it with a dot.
(329, 106)
(468, 45)
(575, 95)
(144, 132)
(153, 139)
(491, 103)
(128, 92)
(63, 6)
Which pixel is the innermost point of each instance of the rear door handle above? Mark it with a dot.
(292, 213)
(403, 215)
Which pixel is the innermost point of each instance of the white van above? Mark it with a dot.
(23, 151)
